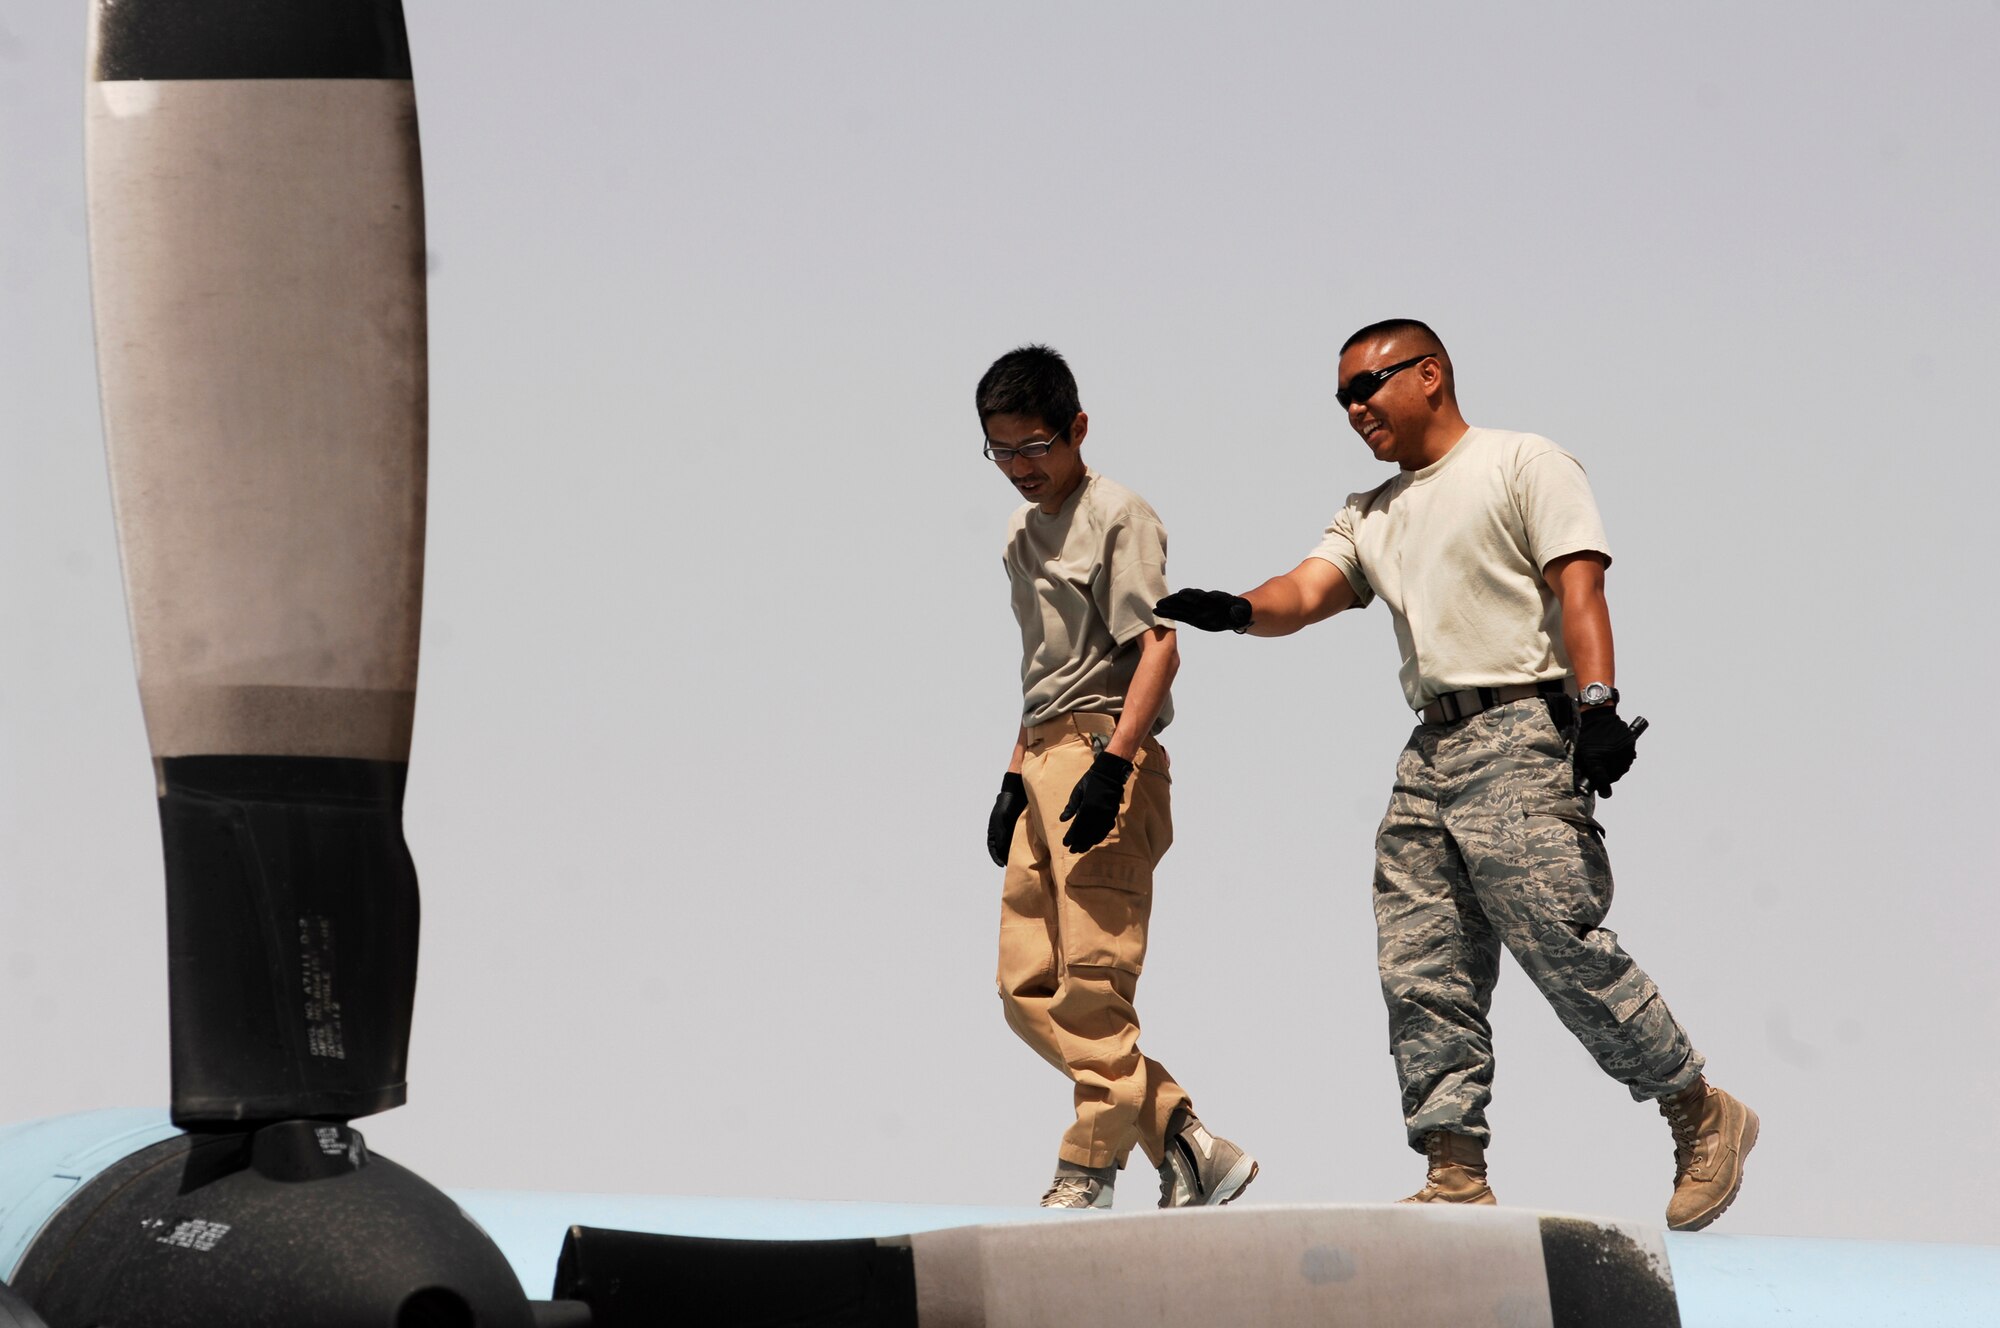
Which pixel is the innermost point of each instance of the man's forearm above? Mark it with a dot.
(1276, 608)
(1587, 638)
(1159, 660)
(1312, 592)
(1578, 583)
(1020, 750)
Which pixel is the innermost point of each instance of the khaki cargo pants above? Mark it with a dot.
(1487, 843)
(1073, 941)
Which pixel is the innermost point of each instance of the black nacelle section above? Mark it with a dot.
(204, 1230)
(251, 39)
(1598, 1275)
(636, 1280)
(291, 936)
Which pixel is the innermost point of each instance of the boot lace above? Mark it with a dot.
(1069, 1192)
(1434, 1150)
(1177, 1176)
(1684, 1119)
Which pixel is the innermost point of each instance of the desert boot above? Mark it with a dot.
(1457, 1173)
(1713, 1133)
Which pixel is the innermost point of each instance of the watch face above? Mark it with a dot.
(1596, 694)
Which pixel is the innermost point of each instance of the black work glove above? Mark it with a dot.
(1605, 750)
(1094, 802)
(1208, 610)
(1007, 809)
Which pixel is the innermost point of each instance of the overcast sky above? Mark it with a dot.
(719, 676)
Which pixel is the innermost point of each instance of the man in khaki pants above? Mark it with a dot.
(1082, 817)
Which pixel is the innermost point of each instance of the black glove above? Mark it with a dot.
(1208, 610)
(1094, 802)
(1605, 750)
(1007, 809)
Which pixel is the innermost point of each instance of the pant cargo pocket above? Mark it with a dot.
(1108, 901)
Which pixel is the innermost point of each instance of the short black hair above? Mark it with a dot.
(1410, 329)
(1030, 380)
(1394, 327)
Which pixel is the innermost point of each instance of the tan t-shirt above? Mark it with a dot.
(1457, 551)
(1084, 585)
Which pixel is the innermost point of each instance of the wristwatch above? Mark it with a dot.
(1597, 694)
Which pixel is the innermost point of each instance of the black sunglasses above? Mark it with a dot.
(1369, 381)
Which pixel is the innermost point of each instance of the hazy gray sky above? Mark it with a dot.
(719, 674)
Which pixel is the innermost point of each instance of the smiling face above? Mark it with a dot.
(1046, 480)
(1399, 420)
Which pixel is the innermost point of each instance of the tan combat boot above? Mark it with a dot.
(1713, 1133)
(1458, 1171)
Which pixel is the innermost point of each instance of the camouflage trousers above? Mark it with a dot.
(1488, 843)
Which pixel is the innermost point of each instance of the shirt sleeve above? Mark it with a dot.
(1340, 547)
(1134, 577)
(1558, 511)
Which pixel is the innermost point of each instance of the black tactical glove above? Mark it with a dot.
(1208, 610)
(1605, 750)
(1094, 802)
(1007, 809)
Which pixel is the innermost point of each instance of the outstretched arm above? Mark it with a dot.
(1312, 592)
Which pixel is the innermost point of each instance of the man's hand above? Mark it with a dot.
(1007, 809)
(1094, 802)
(1207, 610)
(1605, 750)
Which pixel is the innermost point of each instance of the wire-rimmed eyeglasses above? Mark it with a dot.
(1031, 451)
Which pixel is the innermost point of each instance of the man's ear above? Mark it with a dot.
(1078, 427)
(1432, 374)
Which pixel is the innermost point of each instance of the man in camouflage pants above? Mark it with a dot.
(1488, 549)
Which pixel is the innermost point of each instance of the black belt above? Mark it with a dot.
(1458, 705)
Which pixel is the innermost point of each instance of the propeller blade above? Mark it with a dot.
(257, 261)
(1413, 1266)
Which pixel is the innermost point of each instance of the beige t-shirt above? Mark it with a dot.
(1084, 585)
(1457, 551)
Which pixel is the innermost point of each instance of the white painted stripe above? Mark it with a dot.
(1269, 1266)
(257, 257)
